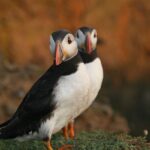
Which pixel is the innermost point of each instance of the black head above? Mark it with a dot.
(86, 38)
(62, 46)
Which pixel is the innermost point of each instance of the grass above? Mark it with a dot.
(99, 140)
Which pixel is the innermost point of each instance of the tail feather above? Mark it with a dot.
(8, 129)
(5, 123)
(2, 134)
(3, 128)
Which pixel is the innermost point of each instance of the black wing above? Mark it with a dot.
(37, 104)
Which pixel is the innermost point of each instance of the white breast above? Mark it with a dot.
(71, 95)
(95, 72)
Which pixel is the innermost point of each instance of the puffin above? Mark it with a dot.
(55, 98)
(86, 38)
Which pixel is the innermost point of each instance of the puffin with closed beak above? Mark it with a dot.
(86, 38)
(55, 99)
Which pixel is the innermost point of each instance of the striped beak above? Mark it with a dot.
(88, 43)
(58, 54)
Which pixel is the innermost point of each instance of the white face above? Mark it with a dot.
(68, 46)
(81, 39)
(94, 39)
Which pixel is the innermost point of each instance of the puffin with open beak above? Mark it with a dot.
(86, 38)
(55, 99)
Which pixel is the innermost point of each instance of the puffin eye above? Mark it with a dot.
(95, 35)
(69, 40)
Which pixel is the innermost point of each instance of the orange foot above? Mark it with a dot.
(66, 147)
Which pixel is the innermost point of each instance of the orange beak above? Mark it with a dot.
(58, 54)
(88, 44)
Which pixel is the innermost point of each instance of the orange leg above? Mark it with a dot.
(65, 132)
(71, 130)
(48, 144)
(68, 129)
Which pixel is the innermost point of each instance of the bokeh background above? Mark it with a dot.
(123, 104)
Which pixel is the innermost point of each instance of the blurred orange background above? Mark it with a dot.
(124, 29)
